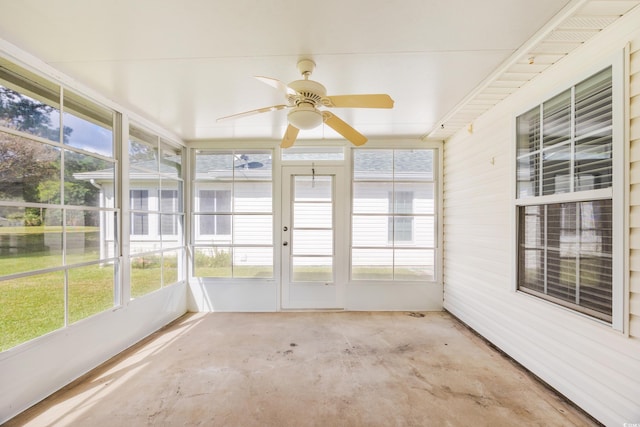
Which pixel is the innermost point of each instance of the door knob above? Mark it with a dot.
(285, 243)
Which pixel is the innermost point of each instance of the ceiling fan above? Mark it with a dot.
(305, 97)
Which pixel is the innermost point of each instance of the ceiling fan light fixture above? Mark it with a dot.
(305, 116)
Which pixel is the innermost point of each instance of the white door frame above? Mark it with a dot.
(315, 295)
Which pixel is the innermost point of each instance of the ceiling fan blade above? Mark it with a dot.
(379, 100)
(252, 112)
(340, 126)
(290, 136)
(276, 84)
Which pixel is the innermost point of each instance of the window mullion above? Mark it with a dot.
(393, 216)
(546, 246)
(541, 158)
(578, 231)
(232, 196)
(572, 160)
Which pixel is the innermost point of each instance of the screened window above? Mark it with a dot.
(565, 198)
(393, 215)
(233, 215)
(168, 204)
(566, 143)
(218, 201)
(140, 220)
(58, 207)
(401, 227)
(156, 241)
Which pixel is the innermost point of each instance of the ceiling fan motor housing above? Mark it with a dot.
(308, 91)
(309, 94)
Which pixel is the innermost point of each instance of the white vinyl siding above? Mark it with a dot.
(592, 363)
(634, 183)
(169, 205)
(393, 215)
(218, 201)
(233, 214)
(139, 212)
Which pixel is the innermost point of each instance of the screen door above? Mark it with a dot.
(312, 212)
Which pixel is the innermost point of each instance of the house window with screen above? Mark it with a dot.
(139, 214)
(400, 228)
(218, 201)
(156, 241)
(393, 215)
(565, 200)
(233, 215)
(169, 203)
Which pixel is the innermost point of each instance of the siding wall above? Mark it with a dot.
(634, 183)
(592, 364)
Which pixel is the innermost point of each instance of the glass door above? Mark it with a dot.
(312, 220)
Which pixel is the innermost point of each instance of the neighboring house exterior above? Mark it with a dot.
(594, 362)
(218, 192)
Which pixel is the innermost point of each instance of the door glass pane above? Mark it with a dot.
(313, 215)
(312, 269)
(312, 229)
(312, 188)
(312, 242)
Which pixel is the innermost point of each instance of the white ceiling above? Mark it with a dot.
(182, 64)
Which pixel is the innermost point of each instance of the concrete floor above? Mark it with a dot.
(308, 369)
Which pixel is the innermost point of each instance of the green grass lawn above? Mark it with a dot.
(35, 305)
(25, 249)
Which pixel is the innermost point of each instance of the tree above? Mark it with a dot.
(26, 164)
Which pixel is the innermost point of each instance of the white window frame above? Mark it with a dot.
(140, 212)
(436, 148)
(615, 192)
(228, 213)
(194, 198)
